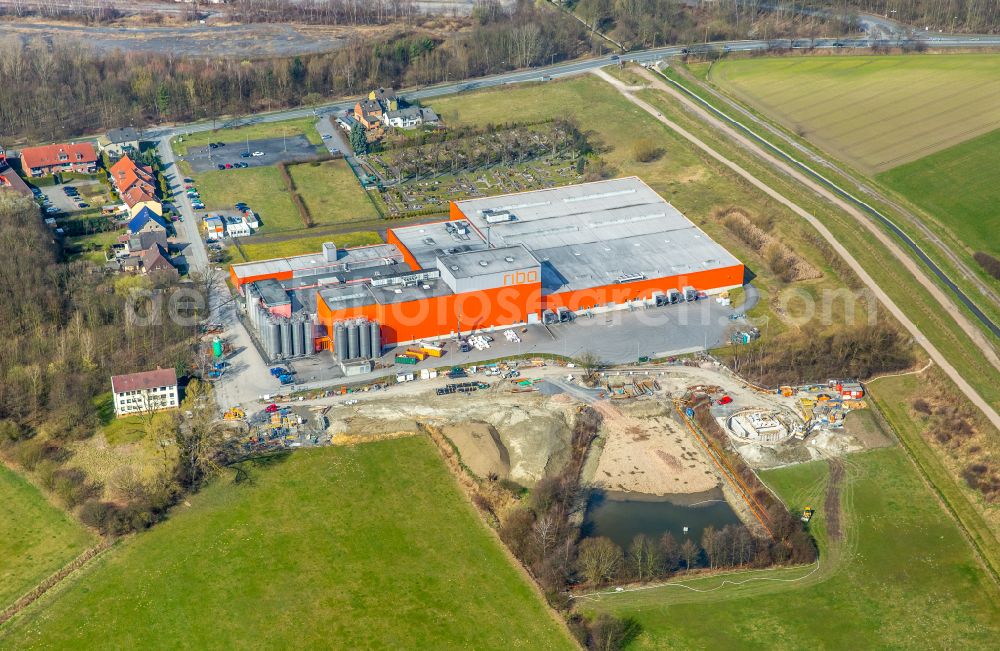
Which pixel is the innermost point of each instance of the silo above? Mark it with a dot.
(298, 341)
(340, 341)
(286, 338)
(274, 336)
(353, 341)
(265, 340)
(366, 338)
(309, 334)
(376, 334)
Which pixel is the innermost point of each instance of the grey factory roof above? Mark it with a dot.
(316, 263)
(342, 297)
(428, 242)
(597, 233)
(272, 292)
(488, 261)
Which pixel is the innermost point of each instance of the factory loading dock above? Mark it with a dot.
(505, 261)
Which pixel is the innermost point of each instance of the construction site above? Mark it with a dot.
(544, 257)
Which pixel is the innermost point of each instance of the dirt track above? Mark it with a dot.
(865, 277)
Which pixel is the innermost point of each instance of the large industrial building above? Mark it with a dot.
(499, 261)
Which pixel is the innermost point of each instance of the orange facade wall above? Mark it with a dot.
(583, 299)
(454, 212)
(439, 316)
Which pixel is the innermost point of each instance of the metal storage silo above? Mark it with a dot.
(340, 341)
(376, 334)
(366, 339)
(353, 341)
(274, 336)
(309, 333)
(298, 341)
(286, 338)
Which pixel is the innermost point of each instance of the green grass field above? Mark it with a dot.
(36, 538)
(362, 547)
(900, 577)
(302, 245)
(259, 131)
(331, 192)
(873, 112)
(960, 186)
(261, 188)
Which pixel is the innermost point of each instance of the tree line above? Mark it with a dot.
(66, 330)
(68, 89)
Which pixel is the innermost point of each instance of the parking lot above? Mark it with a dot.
(273, 150)
(64, 203)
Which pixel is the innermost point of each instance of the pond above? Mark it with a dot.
(622, 516)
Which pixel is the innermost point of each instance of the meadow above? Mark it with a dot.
(36, 537)
(331, 192)
(261, 188)
(370, 546)
(872, 112)
(899, 575)
(931, 183)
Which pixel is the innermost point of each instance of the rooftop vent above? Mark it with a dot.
(454, 267)
(508, 259)
(483, 263)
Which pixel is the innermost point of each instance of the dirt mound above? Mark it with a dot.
(480, 447)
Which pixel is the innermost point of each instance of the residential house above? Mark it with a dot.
(409, 118)
(386, 98)
(155, 260)
(369, 113)
(120, 142)
(146, 239)
(143, 392)
(9, 179)
(136, 185)
(68, 157)
(147, 220)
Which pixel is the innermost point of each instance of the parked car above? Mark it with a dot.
(221, 166)
(51, 209)
(258, 153)
(326, 136)
(188, 179)
(242, 165)
(83, 205)
(229, 166)
(241, 206)
(212, 145)
(245, 154)
(220, 144)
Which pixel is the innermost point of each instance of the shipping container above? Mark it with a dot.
(433, 352)
(417, 353)
(405, 359)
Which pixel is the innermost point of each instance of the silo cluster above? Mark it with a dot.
(280, 337)
(357, 339)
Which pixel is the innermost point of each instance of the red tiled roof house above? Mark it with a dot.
(68, 157)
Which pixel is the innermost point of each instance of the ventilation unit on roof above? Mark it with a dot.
(629, 277)
(454, 267)
(497, 216)
(483, 263)
(508, 259)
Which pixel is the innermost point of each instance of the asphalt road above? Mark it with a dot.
(574, 68)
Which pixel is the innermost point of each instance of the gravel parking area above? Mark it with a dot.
(275, 150)
(64, 203)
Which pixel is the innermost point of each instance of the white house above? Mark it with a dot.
(146, 391)
(409, 117)
(236, 227)
(252, 220)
